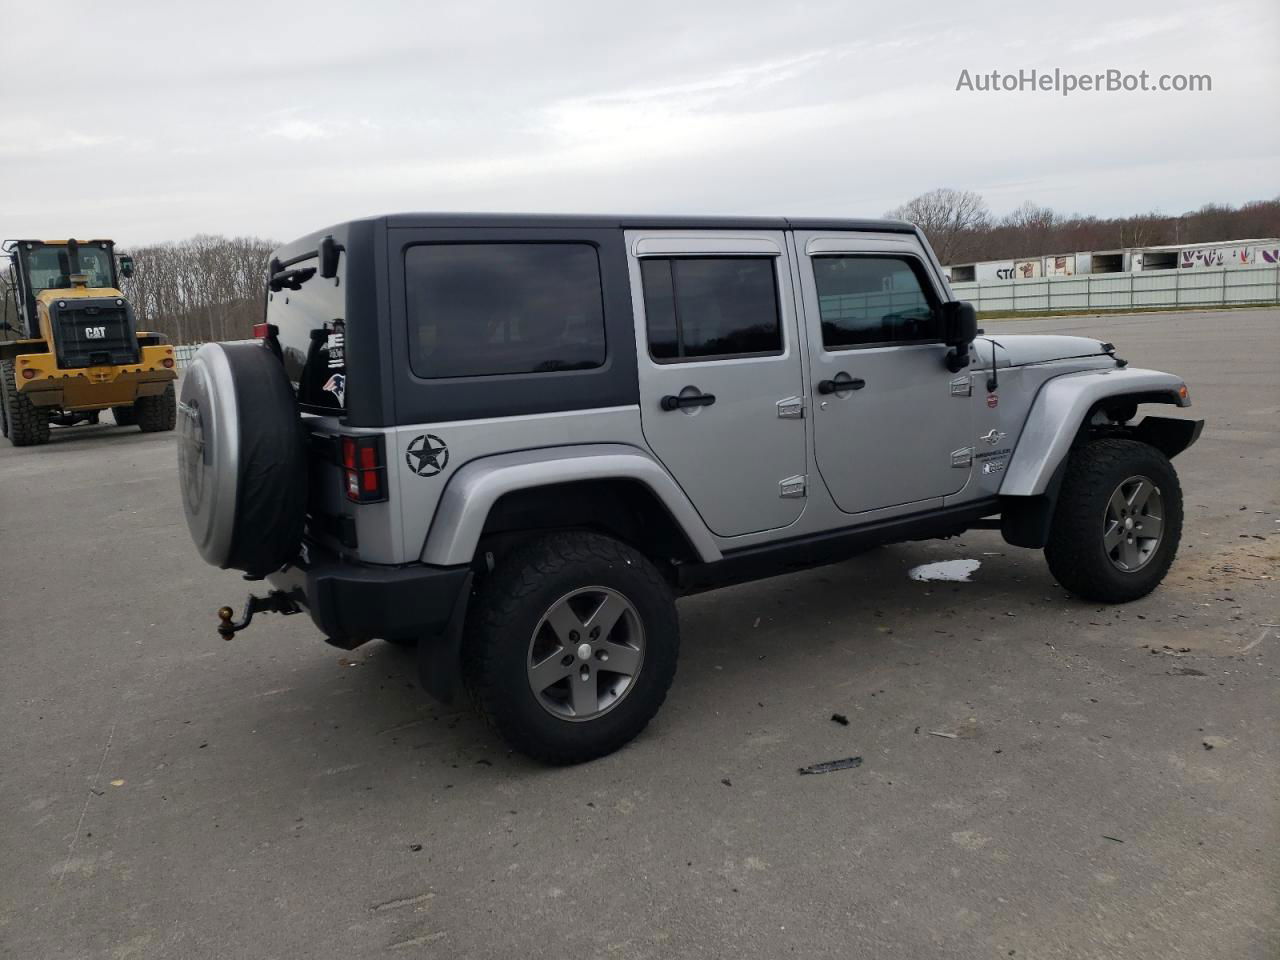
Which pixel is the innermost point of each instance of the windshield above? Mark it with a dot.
(50, 267)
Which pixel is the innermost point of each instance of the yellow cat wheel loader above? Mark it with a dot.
(72, 348)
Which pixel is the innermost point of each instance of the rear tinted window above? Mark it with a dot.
(483, 309)
(311, 325)
(700, 308)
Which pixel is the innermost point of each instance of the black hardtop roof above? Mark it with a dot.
(305, 246)
(640, 221)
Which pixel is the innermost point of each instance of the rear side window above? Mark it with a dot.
(486, 309)
(702, 308)
(873, 300)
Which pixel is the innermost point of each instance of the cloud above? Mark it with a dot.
(717, 106)
(1129, 31)
(299, 130)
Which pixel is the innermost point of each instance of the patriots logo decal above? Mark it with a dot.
(337, 385)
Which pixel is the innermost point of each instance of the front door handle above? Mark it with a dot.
(843, 382)
(672, 402)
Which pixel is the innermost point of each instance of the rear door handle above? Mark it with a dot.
(840, 386)
(672, 402)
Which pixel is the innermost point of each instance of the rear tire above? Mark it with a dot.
(155, 414)
(611, 656)
(125, 416)
(28, 425)
(1118, 521)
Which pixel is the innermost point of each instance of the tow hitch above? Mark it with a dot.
(277, 601)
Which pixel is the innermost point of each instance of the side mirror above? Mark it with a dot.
(126, 267)
(328, 253)
(959, 327)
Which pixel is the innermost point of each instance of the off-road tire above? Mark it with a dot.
(504, 613)
(125, 416)
(27, 425)
(158, 413)
(1075, 551)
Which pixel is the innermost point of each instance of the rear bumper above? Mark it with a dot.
(94, 388)
(354, 602)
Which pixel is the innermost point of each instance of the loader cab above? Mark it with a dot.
(36, 266)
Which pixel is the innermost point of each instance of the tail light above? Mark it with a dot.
(364, 468)
(167, 362)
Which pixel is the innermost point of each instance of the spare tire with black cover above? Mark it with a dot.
(242, 458)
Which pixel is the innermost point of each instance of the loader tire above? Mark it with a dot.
(155, 414)
(26, 424)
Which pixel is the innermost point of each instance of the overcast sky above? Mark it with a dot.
(153, 121)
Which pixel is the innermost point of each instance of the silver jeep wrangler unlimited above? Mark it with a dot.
(515, 440)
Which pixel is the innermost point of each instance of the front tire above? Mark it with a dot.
(571, 646)
(1118, 521)
(28, 425)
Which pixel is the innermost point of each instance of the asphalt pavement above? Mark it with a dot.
(1040, 777)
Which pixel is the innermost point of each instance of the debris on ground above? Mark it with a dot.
(830, 765)
(840, 718)
(1115, 839)
(941, 733)
(727, 782)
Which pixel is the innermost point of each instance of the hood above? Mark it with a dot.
(1016, 350)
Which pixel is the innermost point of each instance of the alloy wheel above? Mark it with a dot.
(585, 653)
(1133, 524)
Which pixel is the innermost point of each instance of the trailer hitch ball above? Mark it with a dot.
(275, 602)
(225, 628)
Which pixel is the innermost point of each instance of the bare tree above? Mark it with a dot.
(1031, 225)
(203, 288)
(944, 215)
(964, 233)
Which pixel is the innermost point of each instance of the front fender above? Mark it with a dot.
(1060, 409)
(475, 488)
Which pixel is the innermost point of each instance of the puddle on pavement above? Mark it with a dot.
(956, 571)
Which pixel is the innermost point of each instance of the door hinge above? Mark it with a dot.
(791, 408)
(962, 386)
(793, 487)
(962, 457)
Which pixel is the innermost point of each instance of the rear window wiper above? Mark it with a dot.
(291, 279)
(283, 278)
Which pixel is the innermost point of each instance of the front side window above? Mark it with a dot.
(485, 309)
(698, 308)
(873, 300)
